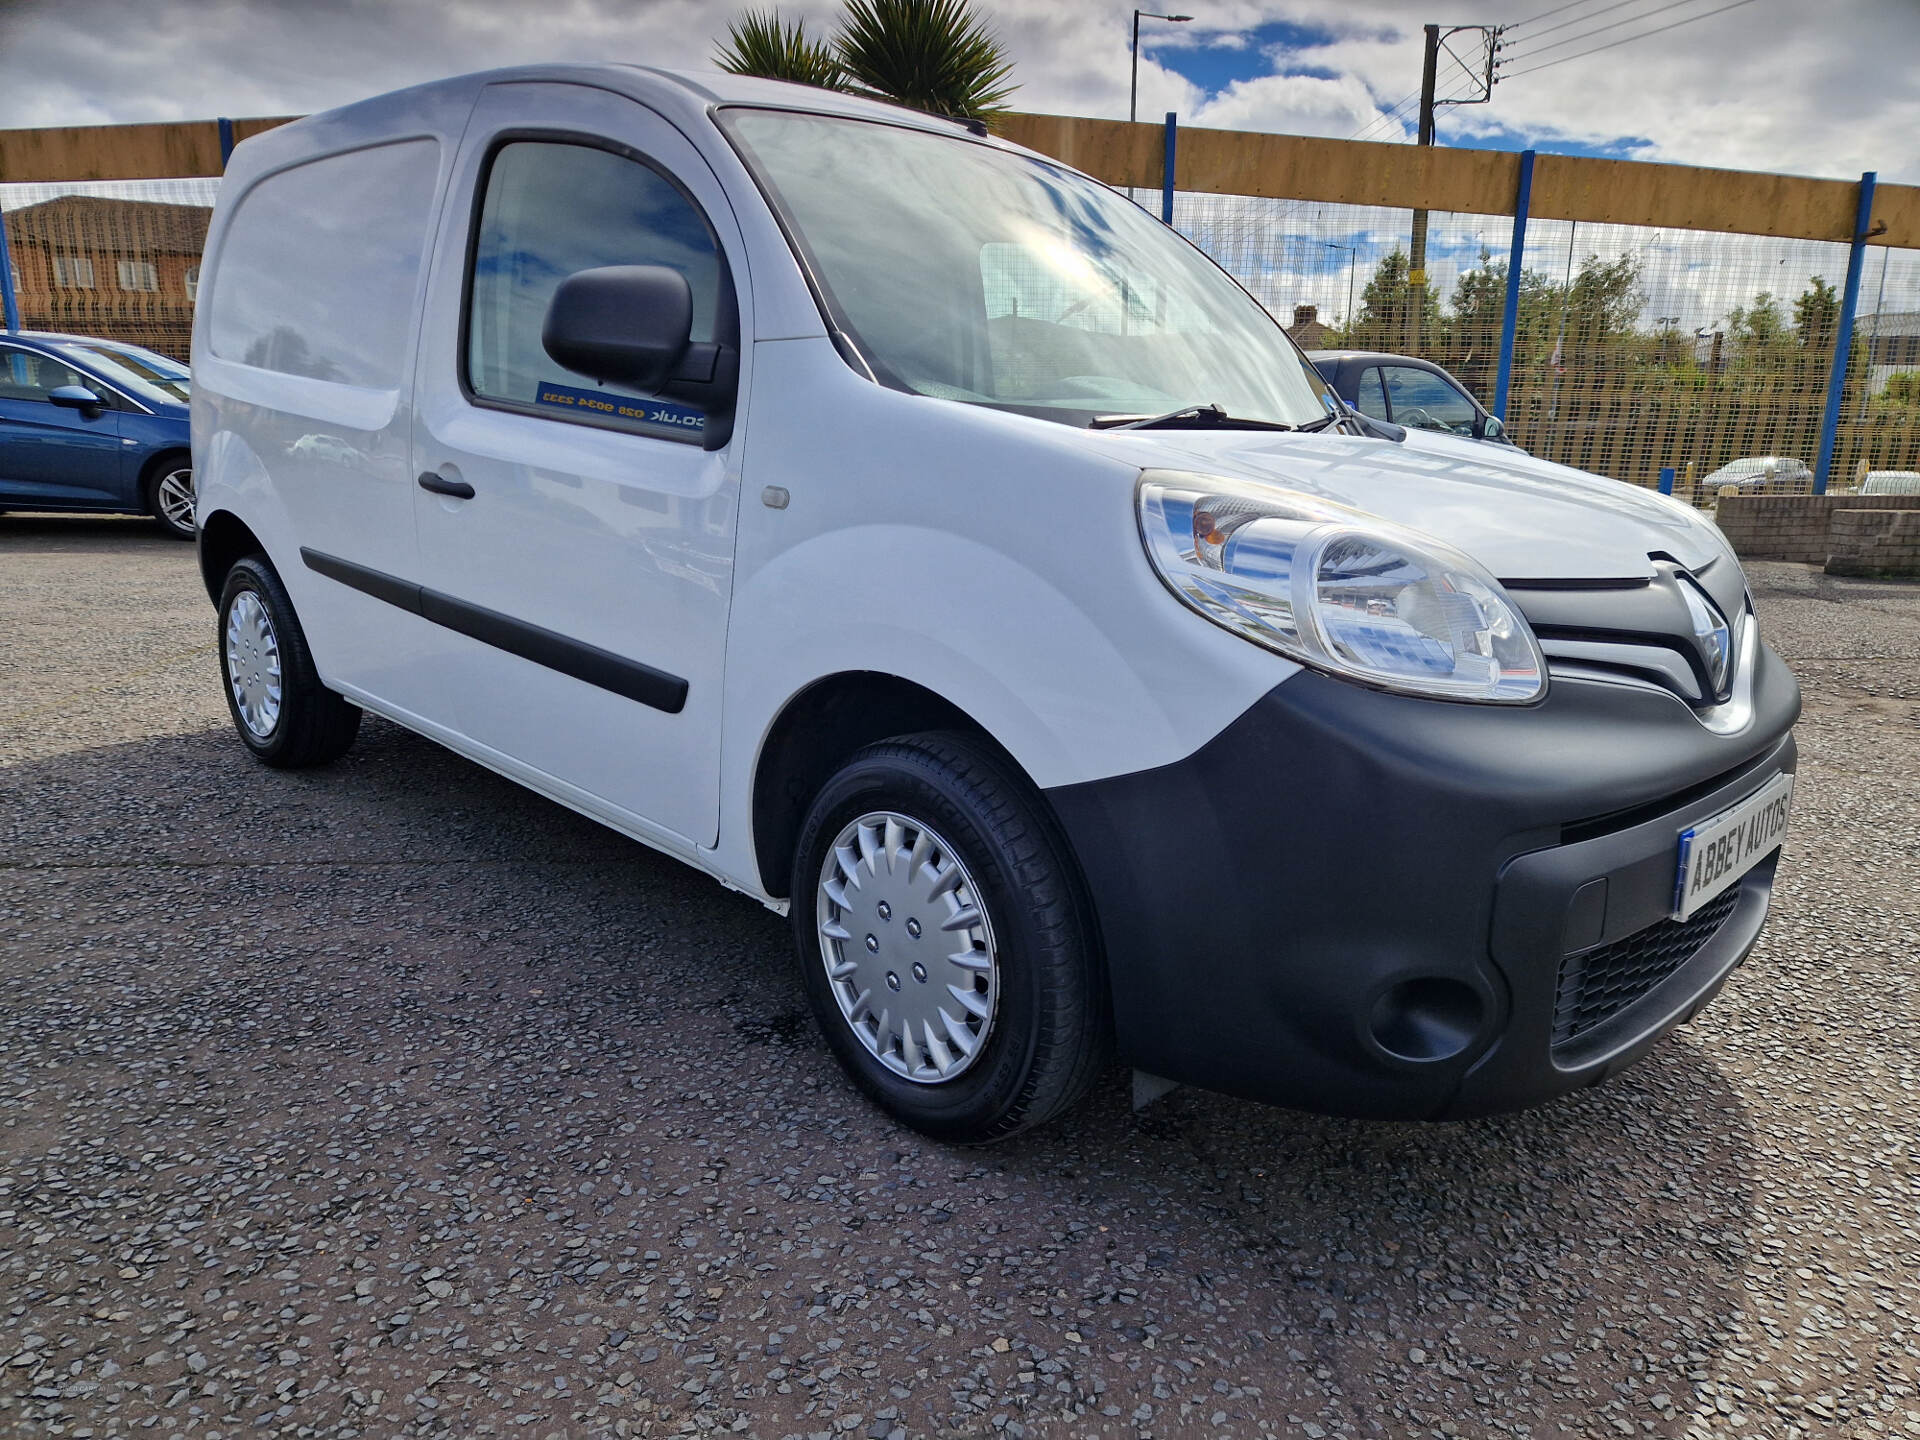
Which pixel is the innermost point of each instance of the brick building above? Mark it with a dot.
(121, 269)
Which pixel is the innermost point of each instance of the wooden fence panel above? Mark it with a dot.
(1224, 162)
(1477, 182)
(180, 150)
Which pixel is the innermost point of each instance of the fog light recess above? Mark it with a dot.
(1426, 1019)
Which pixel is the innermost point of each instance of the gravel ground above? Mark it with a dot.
(390, 1099)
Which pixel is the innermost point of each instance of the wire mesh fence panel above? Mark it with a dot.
(1635, 349)
(119, 260)
(1340, 276)
(1647, 349)
(1880, 419)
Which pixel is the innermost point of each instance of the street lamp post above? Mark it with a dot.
(1133, 89)
(1666, 324)
(1133, 84)
(1352, 255)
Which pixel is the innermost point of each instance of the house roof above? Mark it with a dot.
(95, 223)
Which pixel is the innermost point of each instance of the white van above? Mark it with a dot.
(914, 534)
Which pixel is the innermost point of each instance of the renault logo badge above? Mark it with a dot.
(1712, 638)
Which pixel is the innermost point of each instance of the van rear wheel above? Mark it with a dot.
(284, 715)
(943, 942)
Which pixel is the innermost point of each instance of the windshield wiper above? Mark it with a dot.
(1200, 417)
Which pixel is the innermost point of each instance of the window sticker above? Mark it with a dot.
(664, 413)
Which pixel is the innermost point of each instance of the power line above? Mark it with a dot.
(1394, 112)
(1397, 111)
(1640, 35)
(1544, 14)
(1582, 19)
(1384, 116)
(1602, 29)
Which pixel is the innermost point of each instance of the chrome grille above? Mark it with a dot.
(1658, 664)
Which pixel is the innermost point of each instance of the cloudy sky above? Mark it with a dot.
(1822, 87)
(1816, 87)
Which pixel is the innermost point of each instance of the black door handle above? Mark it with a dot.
(458, 489)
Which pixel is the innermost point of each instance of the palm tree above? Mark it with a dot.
(934, 55)
(759, 44)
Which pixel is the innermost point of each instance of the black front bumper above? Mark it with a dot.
(1371, 905)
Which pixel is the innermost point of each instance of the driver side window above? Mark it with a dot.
(550, 209)
(29, 375)
(1424, 401)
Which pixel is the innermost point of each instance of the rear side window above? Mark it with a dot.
(551, 209)
(321, 263)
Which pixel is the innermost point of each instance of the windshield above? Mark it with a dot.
(142, 373)
(969, 273)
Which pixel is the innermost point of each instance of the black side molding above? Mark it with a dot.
(602, 668)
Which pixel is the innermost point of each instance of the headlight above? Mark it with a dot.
(1339, 590)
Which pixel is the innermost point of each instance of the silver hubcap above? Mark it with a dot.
(908, 947)
(175, 493)
(253, 664)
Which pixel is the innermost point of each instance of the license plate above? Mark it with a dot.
(1717, 852)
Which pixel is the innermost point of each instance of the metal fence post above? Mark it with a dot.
(9, 303)
(226, 141)
(1166, 172)
(1843, 337)
(1666, 480)
(1522, 200)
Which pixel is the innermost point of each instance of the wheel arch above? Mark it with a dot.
(151, 466)
(224, 538)
(814, 733)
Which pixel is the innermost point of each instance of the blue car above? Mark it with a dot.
(94, 425)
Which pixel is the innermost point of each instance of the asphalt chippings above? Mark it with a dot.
(389, 1099)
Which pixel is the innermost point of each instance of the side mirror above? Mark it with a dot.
(632, 325)
(77, 397)
(1490, 428)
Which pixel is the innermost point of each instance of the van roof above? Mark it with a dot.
(719, 88)
(695, 91)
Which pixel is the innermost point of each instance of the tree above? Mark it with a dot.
(1386, 304)
(1903, 387)
(1816, 317)
(759, 43)
(935, 55)
(1603, 302)
(1758, 331)
(1472, 341)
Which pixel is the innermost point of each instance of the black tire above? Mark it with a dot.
(1050, 1033)
(313, 725)
(167, 472)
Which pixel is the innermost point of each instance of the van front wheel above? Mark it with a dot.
(943, 942)
(284, 715)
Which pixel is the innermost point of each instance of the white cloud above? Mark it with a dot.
(1829, 89)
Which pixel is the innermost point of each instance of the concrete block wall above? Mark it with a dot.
(1876, 542)
(1793, 527)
